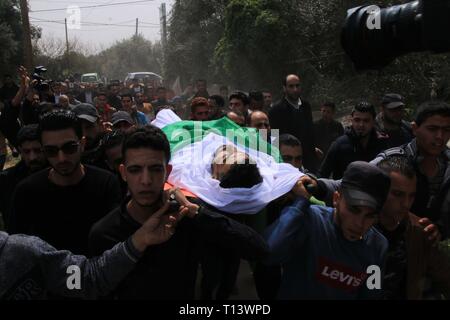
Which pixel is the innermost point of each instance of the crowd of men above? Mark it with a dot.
(90, 190)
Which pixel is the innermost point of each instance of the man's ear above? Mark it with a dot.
(168, 170)
(336, 198)
(82, 144)
(414, 128)
(122, 172)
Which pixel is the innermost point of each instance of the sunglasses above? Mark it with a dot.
(67, 148)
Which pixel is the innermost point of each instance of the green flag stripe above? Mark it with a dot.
(183, 133)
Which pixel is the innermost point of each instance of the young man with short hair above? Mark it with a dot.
(326, 252)
(60, 204)
(167, 271)
(200, 109)
(360, 143)
(239, 103)
(291, 151)
(431, 158)
(411, 257)
(32, 160)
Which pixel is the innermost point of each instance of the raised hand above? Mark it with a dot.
(159, 228)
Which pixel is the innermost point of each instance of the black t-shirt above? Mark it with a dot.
(395, 275)
(168, 271)
(63, 216)
(9, 179)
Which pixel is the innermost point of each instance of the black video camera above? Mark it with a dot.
(374, 37)
(42, 83)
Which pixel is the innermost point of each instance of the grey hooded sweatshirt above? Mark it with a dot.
(30, 269)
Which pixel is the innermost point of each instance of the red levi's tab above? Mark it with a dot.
(339, 276)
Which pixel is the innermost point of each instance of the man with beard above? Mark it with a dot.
(293, 115)
(92, 131)
(32, 160)
(60, 204)
(391, 121)
(360, 143)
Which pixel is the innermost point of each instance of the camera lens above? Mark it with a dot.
(373, 37)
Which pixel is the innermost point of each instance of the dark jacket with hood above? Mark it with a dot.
(347, 149)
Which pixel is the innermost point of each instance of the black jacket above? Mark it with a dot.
(326, 133)
(347, 149)
(299, 123)
(168, 271)
(8, 93)
(9, 122)
(9, 179)
(436, 208)
(395, 138)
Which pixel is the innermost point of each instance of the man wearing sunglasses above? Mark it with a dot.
(60, 204)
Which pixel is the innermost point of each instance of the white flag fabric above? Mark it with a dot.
(192, 170)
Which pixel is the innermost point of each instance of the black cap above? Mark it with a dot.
(393, 101)
(120, 116)
(87, 112)
(365, 185)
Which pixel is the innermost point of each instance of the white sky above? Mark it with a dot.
(94, 35)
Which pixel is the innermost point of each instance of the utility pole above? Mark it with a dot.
(67, 47)
(137, 26)
(163, 22)
(163, 18)
(27, 47)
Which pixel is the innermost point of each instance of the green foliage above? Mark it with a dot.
(10, 36)
(129, 55)
(251, 44)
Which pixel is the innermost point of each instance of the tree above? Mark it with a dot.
(11, 35)
(194, 31)
(129, 55)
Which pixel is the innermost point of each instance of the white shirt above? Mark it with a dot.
(297, 105)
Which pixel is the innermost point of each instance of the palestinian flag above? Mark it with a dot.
(194, 145)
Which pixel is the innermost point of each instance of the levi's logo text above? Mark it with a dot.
(339, 276)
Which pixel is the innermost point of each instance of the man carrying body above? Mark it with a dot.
(319, 246)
